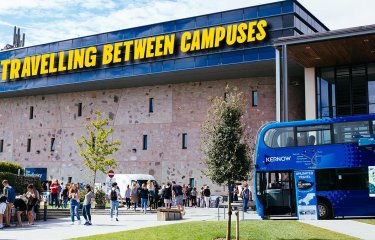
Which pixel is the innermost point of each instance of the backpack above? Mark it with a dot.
(246, 194)
(113, 195)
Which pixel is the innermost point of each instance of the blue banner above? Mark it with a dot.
(306, 194)
(40, 172)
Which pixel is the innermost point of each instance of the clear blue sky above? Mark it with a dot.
(52, 20)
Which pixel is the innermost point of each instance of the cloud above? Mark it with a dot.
(55, 20)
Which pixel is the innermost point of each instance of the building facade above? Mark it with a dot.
(154, 82)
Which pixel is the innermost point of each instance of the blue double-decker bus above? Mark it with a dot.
(327, 147)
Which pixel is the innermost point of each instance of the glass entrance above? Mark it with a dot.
(277, 192)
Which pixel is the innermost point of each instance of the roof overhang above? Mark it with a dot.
(334, 48)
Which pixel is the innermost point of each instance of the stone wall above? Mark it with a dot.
(178, 109)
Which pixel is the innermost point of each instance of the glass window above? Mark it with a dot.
(31, 115)
(352, 178)
(313, 135)
(184, 141)
(53, 145)
(279, 137)
(348, 132)
(145, 142)
(79, 109)
(2, 145)
(29, 145)
(151, 105)
(255, 98)
(325, 179)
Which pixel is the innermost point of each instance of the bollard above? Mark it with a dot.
(237, 225)
(45, 210)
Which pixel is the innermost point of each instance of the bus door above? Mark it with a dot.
(278, 193)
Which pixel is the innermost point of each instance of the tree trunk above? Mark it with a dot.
(229, 214)
(94, 180)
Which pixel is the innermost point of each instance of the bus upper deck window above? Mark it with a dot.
(279, 137)
(348, 132)
(314, 135)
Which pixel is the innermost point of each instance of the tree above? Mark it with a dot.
(226, 153)
(95, 146)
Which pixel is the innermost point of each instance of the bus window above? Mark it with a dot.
(352, 178)
(348, 132)
(325, 179)
(313, 135)
(373, 127)
(279, 137)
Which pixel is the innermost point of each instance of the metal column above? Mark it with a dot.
(285, 83)
(278, 86)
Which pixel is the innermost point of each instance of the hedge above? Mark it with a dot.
(20, 182)
(10, 167)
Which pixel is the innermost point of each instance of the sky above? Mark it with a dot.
(46, 21)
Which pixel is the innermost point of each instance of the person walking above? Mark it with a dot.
(10, 195)
(128, 192)
(115, 196)
(143, 193)
(167, 195)
(134, 195)
(74, 203)
(207, 194)
(201, 198)
(193, 197)
(246, 196)
(178, 195)
(55, 193)
(89, 198)
(32, 196)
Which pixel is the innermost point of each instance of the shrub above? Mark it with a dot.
(20, 182)
(10, 167)
(100, 197)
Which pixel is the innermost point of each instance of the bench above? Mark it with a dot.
(169, 214)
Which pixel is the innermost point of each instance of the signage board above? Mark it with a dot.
(306, 195)
(40, 172)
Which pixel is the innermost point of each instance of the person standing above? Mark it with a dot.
(89, 198)
(55, 193)
(3, 208)
(74, 203)
(178, 195)
(128, 192)
(134, 195)
(151, 192)
(188, 195)
(184, 195)
(64, 196)
(201, 197)
(32, 199)
(207, 194)
(235, 194)
(143, 193)
(115, 196)
(193, 197)
(167, 195)
(246, 196)
(10, 194)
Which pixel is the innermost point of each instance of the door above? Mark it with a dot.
(278, 193)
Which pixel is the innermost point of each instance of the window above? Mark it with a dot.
(313, 135)
(144, 142)
(151, 105)
(348, 132)
(2, 145)
(31, 116)
(192, 182)
(53, 146)
(79, 109)
(254, 98)
(28, 144)
(325, 179)
(226, 95)
(184, 141)
(279, 137)
(352, 178)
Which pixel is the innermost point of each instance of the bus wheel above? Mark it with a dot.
(324, 209)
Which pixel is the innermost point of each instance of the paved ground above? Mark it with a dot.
(61, 228)
(348, 227)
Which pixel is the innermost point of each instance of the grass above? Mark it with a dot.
(212, 230)
(369, 221)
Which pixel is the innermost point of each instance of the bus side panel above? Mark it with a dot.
(350, 202)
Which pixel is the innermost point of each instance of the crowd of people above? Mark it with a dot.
(147, 195)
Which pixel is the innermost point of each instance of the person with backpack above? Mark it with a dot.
(178, 196)
(10, 194)
(115, 197)
(246, 196)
